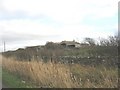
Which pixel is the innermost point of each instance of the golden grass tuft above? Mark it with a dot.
(61, 75)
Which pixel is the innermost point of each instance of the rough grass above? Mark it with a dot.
(62, 75)
(12, 81)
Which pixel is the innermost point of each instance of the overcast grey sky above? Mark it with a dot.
(33, 22)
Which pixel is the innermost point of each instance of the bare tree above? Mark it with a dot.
(90, 41)
(110, 41)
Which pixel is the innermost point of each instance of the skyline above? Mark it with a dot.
(34, 22)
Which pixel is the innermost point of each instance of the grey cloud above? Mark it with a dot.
(5, 15)
(11, 37)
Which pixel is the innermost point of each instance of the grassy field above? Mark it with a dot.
(58, 75)
(12, 81)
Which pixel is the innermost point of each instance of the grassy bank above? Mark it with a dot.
(12, 81)
(60, 75)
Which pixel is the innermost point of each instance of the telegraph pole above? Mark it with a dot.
(4, 46)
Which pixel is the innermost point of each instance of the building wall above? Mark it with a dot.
(77, 45)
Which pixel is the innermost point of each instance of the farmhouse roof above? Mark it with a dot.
(69, 42)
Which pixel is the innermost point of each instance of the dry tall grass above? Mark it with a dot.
(62, 75)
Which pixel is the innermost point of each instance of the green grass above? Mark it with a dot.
(13, 81)
(0, 74)
(0, 77)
